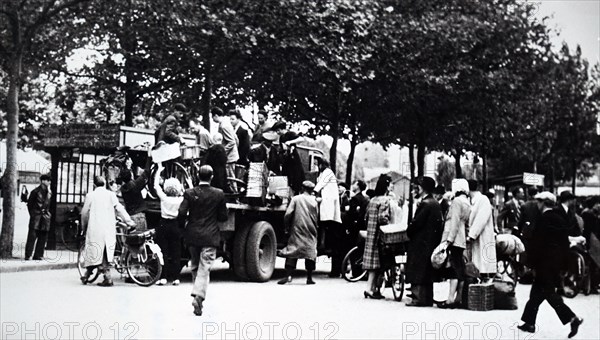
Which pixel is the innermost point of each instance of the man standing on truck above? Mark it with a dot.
(203, 207)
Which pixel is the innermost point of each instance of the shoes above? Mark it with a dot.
(84, 279)
(38, 258)
(176, 283)
(161, 282)
(197, 303)
(417, 304)
(27, 258)
(285, 280)
(374, 296)
(575, 323)
(446, 305)
(106, 283)
(310, 282)
(527, 328)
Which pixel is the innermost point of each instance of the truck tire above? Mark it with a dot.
(239, 252)
(261, 250)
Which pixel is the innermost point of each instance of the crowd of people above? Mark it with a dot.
(325, 218)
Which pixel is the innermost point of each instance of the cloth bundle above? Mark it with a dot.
(509, 245)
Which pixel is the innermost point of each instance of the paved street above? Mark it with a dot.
(54, 304)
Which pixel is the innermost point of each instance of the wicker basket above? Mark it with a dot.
(481, 296)
(392, 234)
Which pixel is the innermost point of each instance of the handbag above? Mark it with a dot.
(471, 269)
(439, 257)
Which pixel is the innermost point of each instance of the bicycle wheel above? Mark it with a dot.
(171, 170)
(396, 276)
(352, 270)
(144, 268)
(82, 269)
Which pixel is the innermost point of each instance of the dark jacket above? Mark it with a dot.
(167, 131)
(216, 157)
(550, 246)
(444, 206)
(591, 224)
(425, 233)
(509, 216)
(243, 145)
(38, 206)
(271, 157)
(530, 214)
(206, 208)
(356, 214)
(132, 194)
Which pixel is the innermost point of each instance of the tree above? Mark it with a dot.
(25, 25)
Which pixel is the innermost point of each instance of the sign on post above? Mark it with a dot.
(533, 179)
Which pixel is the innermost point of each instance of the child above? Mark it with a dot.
(168, 235)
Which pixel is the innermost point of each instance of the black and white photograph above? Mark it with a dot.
(299, 169)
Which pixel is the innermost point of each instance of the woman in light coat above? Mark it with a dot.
(454, 236)
(98, 218)
(481, 236)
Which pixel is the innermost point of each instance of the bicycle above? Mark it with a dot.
(71, 233)
(135, 253)
(577, 277)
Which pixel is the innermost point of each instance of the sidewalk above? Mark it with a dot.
(53, 259)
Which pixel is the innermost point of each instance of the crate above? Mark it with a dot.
(258, 175)
(481, 296)
(279, 186)
(191, 151)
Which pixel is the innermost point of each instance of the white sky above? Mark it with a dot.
(578, 22)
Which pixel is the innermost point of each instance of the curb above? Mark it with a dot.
(37, 267)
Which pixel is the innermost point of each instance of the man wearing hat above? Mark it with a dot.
(300, 222)
(550, 247)
(425, 233)
(438, 193)
(567, 209)
(265, 152)
(38, 206)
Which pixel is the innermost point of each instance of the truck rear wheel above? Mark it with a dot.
(261, 250)
(239, 252)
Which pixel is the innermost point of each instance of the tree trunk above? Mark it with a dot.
(421, 150)
(457, 167)
(350, 162)
(9, 179)
(54, 157)
(333, 150)
(130, 98)
(411, 199)
(574, 180)
(485, 172)
(207, 96)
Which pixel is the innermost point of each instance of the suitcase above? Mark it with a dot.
(481, 296)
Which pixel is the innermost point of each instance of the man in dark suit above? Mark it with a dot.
(509, 216)
(203, 207)
(550, 247)
(38, 206)
(425, 233)
(438, 194)
(357, 211)
(530, 215)
(242, 135)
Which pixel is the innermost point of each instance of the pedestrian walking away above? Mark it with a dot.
(38, 206)
(301, 219)
(203, 207)
(550, 246)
